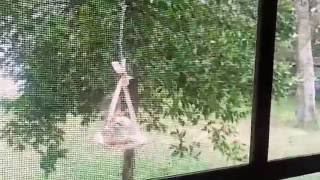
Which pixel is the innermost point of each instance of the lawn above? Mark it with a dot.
(86, 160)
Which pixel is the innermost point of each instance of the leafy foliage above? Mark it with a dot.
(195, 61)
(284, 79)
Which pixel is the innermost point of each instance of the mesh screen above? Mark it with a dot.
(294, 115)
(189, 64)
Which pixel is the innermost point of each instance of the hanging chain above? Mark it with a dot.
(123, 7)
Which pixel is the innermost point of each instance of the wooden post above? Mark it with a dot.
(129, 154)
(128, 164)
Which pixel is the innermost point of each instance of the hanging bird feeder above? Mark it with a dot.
(121, 130)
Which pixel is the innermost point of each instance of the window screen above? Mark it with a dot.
(95, 89)
(294, 113)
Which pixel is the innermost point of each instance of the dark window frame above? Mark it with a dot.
(259, 167)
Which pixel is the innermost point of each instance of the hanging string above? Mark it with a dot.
(123, 7)
(122, 59)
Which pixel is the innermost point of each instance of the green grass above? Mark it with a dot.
(283, 111)
(87, 161)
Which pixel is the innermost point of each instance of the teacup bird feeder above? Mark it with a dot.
(120, 130)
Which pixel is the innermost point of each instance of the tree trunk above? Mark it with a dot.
(305, 67)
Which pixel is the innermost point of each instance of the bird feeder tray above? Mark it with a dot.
(121, 132)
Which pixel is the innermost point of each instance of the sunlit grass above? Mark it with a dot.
(87, 161)
(283, 111)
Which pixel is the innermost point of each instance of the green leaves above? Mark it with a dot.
(183, 148)
(50, 157)
(284, 82)
(195, 64)
(223, 138)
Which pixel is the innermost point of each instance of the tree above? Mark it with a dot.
(305, 66)
(285, 81)
(194, 58)
(315, 22)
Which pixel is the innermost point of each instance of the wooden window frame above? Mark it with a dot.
(259, 167)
